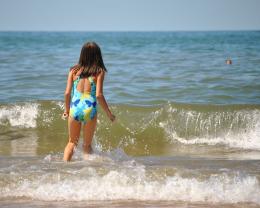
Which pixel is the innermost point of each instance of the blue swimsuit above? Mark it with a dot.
(83, 106)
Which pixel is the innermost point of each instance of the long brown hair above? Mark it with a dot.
(90, 60)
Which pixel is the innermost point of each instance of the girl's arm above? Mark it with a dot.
(100, 97)
(67, 93)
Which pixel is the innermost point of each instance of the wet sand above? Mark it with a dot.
(10, 203)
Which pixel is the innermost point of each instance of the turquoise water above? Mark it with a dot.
(187, 130)
(144, 68)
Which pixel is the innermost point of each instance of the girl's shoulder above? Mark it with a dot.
(74, 68)
(101, 74)
(74, 72)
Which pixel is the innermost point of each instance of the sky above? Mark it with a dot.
(129, 15)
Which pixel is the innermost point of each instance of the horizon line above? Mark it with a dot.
(218, 30)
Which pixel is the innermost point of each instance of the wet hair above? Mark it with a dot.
(90, 60)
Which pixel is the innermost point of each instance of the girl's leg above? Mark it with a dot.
(88, 133)
(74, 133)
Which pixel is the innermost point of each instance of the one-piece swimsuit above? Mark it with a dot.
(83, 105)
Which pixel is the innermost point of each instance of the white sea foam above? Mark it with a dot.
(59, 104)
(248, 140)
(19, 115)
(246, 137)
(116, 185)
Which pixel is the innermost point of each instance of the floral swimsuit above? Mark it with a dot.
(83, 106)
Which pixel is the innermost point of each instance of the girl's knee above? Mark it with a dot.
(73, 142)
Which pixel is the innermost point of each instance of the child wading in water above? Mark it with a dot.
(84, 89)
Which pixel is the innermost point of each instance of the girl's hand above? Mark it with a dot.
(112, 117)
(65, 115)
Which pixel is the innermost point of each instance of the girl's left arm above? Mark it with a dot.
(67, 93)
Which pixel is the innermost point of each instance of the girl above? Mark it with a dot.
(84, 89)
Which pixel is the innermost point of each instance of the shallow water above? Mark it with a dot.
(187, 132)
(151, 156)
(119, 179)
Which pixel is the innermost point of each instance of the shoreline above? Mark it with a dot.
(11, 203)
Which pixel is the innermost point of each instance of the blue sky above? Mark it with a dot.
(129, 15)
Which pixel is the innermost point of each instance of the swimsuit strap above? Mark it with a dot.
(76, 81)
(91, 80)
(93, 86)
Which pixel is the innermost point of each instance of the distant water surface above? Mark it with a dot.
(144, 67)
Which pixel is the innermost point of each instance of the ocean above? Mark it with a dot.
(187, 130)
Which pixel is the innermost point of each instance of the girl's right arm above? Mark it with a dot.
(100, 97)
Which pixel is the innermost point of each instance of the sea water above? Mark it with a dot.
(187, 131)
